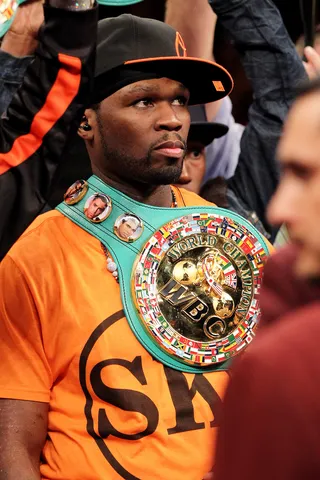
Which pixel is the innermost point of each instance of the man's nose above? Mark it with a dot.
(282, 207)
(168, 119)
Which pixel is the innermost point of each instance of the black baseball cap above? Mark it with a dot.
(149, 48)
(201, 130)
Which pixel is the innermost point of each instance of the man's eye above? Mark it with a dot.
(302, 173)
(181, 100)
(298, 171)
(195, 153)
(144, 102)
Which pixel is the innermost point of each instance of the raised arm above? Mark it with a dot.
(196, 22)
(17, 49)
(43, 115)
(274, 69)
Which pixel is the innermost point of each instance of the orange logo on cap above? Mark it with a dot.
(218, 86)
(180, 46)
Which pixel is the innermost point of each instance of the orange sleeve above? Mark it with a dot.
(24, 372)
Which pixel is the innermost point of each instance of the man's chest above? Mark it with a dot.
(123, 401)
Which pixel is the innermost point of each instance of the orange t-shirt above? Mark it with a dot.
(115, 412)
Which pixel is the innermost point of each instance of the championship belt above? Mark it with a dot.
(189, 277)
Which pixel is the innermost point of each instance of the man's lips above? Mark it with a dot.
(171, 149)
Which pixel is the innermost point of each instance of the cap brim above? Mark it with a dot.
(118, 3)
(206, 81)
(206, 132)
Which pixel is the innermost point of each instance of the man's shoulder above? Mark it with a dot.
(48, 232)
(42, 221)
(45, 227)
(192, 199)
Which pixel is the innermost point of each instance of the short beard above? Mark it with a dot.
(139, 170)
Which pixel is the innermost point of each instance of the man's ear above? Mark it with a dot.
(85, 130)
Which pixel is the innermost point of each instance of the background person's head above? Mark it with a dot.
(96, 206)
(297, 199)
(139, 123)
(201, 134)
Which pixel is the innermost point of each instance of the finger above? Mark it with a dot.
(311, 72)
(313, 58)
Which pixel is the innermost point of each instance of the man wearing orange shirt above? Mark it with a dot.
(84, 391)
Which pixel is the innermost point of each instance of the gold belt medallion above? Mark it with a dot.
(196, 287)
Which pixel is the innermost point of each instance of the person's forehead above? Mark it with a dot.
(131, 221)
(98, 201)
(301, 135)
(154, 85)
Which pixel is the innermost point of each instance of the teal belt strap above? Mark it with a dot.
(125, 254)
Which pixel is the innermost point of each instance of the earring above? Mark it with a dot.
(86, 127)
